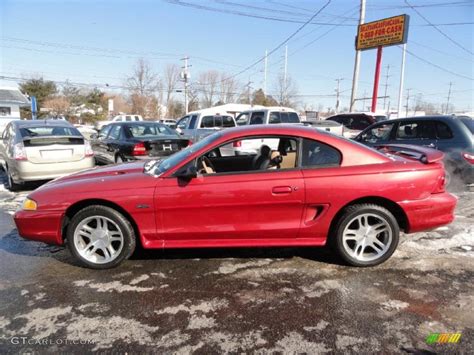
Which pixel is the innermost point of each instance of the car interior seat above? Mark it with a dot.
(147, 131)
(262, 159)
(58, 131)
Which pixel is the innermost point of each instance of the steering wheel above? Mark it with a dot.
(206, 166)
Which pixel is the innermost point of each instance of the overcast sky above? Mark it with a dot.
(97, 42)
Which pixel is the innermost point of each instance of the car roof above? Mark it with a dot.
(422, 118)
(134, 123)
(42, 123)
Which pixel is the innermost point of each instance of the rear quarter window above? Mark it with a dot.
(318, 154)
(443, 130)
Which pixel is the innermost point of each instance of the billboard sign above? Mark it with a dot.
(386, 32)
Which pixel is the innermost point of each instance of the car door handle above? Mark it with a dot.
(282, 190)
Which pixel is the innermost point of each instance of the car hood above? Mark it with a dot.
(111, 177)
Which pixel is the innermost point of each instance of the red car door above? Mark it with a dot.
(254, 205)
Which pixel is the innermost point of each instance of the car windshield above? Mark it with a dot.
(469, 123)
(164, 165)
(48, 131)
(147, 130)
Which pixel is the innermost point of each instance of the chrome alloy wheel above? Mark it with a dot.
(98, 239)
(367, 237)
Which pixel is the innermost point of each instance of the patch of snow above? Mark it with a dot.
(394, 305)
(200, 322)
(231, 267)
(322, 287)
(112, 286)
(203, 307)
(139, 279)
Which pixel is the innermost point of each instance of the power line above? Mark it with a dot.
(441, 52)
(281, 44)
(437, 29)
(437, 66)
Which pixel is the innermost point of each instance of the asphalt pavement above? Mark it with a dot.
(286, 300)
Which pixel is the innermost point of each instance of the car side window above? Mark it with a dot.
(242, 119)
(416, 130)
(284, 117)
(293, 117)
(444, 132)
(104, 132)
(192, 122)
(269, 153)
(360, 123)
(257, 118)
(227, 121)
(274, 118)
(378, 134)
(182, 123)
(318, 154)
(207, 122)
(114, 132)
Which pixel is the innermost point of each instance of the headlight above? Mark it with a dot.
(29, 205)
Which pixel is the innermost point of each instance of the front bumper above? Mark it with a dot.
(43, 226)
(432, 212)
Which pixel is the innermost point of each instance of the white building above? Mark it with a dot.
(11, 99)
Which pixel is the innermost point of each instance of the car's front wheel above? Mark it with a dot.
(100, 237)
(366, 235)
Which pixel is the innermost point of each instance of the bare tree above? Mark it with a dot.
(228, 88)
(209, 82)
(58, 105)
(286, 90)
(171, 80)
(143, 85)
(143, 80)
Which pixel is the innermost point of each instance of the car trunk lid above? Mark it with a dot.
(54, 149)
(164, 146)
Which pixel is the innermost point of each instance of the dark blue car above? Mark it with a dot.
(450, 134)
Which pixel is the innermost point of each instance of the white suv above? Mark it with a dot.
(267, 115)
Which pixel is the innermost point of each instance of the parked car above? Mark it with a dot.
(354, 123)
(338, 192)
(118, 118)
(42, 150)
(268, 115)
(125, 141)
(450, 134)
(169, 122)
(199, 124)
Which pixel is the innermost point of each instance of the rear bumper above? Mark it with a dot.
(42, 226)
(27, 171)
(434, 211)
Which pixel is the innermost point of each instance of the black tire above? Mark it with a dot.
(119, 159)
(124, 225)
(347, 219)
(11, 185)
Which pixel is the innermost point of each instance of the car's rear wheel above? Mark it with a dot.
(366, 235)
(11, 185)
(100, 237)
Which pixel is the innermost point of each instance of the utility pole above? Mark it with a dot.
(337, 94)
(449, 97)
(185, 78)
(285, 77)
(265, 73)
(355, 77)
(386, 85)
(402, 78)
(408, 100)
(248, 92)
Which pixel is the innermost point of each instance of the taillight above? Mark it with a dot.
(139, 149)
(468, 157)
(88, 149)
(237, 144)
(441, 185)
(19, 152)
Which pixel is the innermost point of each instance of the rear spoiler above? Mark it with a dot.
(423, 154)
(32, 138)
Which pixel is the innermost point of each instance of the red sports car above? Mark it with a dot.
(303, 188)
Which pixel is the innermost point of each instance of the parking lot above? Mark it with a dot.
(288, 300)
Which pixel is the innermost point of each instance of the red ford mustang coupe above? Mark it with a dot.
(302, 188)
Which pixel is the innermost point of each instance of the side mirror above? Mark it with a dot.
(188, 173)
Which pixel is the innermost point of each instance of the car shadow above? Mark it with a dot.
(319, 254)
